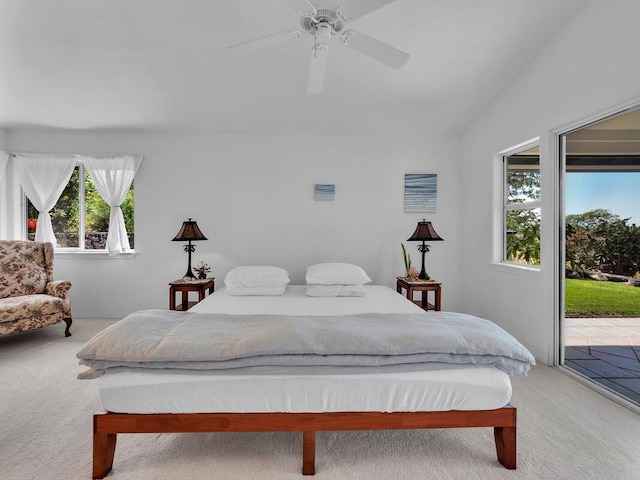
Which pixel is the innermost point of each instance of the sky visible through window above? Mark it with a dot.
(618, 192)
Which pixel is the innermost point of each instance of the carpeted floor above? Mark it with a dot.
(565, 431)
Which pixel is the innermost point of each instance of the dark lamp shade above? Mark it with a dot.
(189, 231)
(424, 232)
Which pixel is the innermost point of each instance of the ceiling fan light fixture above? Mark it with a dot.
(322, 33)
(320, 50)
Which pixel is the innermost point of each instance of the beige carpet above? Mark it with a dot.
(566, 431)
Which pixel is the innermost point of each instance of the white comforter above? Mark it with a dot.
(179, 340)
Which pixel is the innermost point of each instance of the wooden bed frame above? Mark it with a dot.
(107, 425)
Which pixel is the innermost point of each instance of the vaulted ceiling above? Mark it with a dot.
(163, 64)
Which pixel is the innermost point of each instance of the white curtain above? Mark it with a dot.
(43, 178)
(4, 158)
(112, 177)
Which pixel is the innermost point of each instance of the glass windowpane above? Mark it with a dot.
(64, 215)
(96, 219)
(523, 177)
(523, 236)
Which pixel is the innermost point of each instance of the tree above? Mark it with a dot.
(592, 219)
(98, 212)
(523, 185)
(523, 225)
(601, 240)
(523, 236)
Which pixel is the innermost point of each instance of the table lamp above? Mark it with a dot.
(189, 232)
(424, 233)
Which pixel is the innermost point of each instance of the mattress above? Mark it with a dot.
(396, 390)
(305, 389)
(378, 299)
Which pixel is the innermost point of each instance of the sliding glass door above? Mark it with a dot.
(600, 328)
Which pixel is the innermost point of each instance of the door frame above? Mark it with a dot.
(557, 157)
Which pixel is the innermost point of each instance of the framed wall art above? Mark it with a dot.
(324, 192)
(420, 192)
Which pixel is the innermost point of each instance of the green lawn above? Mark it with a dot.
(589, 298)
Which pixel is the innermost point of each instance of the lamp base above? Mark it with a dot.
(424, 248)
(189, 248)
(189, 274)
(423, 275)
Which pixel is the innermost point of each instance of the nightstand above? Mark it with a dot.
(185, 286)
(424, 287)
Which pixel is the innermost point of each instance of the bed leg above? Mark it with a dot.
(506, 446)
(308, 453)
(104, 448)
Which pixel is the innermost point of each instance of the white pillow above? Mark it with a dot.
(256, 291)
(336, 291)
(257, 276)
(336, 274)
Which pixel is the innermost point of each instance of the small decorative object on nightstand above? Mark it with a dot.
(186, 286)
(424, 287)
(202, 269)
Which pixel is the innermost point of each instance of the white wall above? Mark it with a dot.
(590, 68)
(3, 187)
(252, 196)
(8, 193)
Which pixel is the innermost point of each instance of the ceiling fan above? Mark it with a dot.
(322, 24)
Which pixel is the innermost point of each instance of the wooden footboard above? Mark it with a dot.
(107, 425)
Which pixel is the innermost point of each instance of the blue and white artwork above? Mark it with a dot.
(420, 192)
(324, 192)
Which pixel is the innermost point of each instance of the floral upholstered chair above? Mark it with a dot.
(29, 298)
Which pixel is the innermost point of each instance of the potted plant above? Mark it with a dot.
(202, 269)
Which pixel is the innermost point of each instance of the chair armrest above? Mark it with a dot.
(58, 288)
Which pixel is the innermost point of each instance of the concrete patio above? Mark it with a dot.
(607, 350)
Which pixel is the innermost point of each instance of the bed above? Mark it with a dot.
(304, 398)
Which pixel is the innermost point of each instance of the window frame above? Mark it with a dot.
(79, 250)
(507, 207)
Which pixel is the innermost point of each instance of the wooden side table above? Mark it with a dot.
(186, 286)
(423, 286)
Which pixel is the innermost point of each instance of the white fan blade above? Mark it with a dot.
(317, 67)
(375, 49)
(303, 7)
(352, 9)
(266, 41)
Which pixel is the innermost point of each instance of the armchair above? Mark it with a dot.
(29, 297)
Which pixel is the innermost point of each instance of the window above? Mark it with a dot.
(521, 206)
(80, 217)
